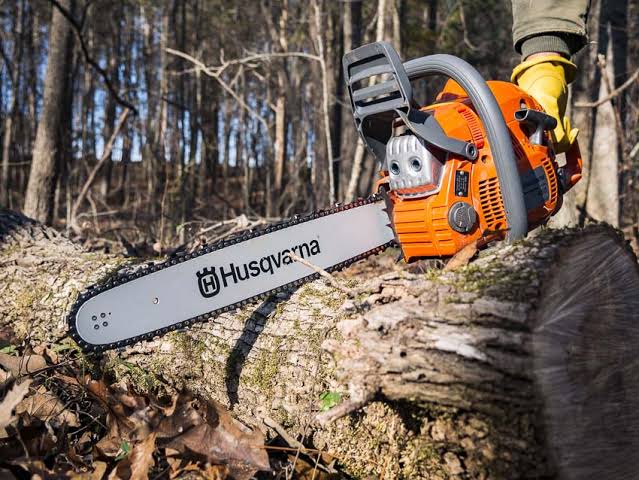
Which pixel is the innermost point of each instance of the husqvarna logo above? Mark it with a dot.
(208, 282)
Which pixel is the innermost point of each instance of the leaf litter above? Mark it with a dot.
(62, 417)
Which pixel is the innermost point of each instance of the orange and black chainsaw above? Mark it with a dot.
(474, 166)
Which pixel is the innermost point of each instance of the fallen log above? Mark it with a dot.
(522, 364)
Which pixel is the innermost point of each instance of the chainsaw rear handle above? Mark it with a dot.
(496, 130)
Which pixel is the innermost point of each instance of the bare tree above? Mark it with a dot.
(360, 151)
(279, 37)
(9, 118)
(46, 151)
(598, 114)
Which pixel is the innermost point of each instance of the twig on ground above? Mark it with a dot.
(343, 409)
(348, 291)
(283, 433)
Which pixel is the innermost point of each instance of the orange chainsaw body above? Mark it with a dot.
(475, 166)
(422, 224)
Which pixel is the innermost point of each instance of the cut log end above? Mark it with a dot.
(586, 359)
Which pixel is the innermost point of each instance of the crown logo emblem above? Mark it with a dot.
(208, 282)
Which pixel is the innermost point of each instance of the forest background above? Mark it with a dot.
(149, 123)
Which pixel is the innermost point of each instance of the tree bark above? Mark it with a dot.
(519, 365)
(44, 166)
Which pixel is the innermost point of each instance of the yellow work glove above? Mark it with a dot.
(546, 79)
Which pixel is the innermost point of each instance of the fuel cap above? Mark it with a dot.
(462, 217)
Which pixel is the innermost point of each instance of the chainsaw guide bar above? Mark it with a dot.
(98, 320)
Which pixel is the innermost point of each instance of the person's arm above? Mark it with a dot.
(549, 26)
(547, 33)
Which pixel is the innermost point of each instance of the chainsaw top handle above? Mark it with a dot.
(375, 107)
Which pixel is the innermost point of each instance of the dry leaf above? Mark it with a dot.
(51, 354)
(461, 258)
(174, 465)
(99, 390)
(109, 445)
(22, 365)
(99, 469)
(46, 406)
(69, 380)
(195, 470)
(4, 377)
(76, 460)
(209, 431)
(36, 468)
(7, 337)
(11, 400)
(142, 458)
(129, 417)
(307, 468)
(137, 464)
(39, 349)
(215, 472)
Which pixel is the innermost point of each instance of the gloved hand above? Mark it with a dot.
(545, 77)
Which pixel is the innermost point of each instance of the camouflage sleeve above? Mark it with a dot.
(549, 26)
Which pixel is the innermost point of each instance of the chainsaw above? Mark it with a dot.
(475, 166)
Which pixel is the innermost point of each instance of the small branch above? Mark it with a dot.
(96, 168)
(215, 73)
(292, 442)
(325, 105)
(77, 28)
(608, 84)
(345, 408)
(462, 17)
(267, 56)
(323, 273)
(612, 94)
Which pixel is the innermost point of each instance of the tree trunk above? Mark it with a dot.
(280, 35)
(161, 172)
(601, 130)
(44, 166)
(519, 365)
(396, 16)
(360, 150)
(18, 32)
